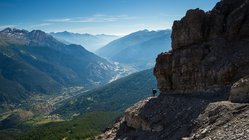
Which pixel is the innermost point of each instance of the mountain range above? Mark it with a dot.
(41, 77)
(138, 49)
(89, 41)
(35, 62)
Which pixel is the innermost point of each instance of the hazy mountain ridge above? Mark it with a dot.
(138, 49)
(90, 42)
(36, 62)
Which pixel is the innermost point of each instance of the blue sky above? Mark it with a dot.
(117, 17)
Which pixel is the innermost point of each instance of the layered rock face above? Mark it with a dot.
(210, 50)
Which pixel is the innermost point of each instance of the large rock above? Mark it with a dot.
(189, 30)
(168, 117)
(210, 50)
(240, 91)
(228, 19)
(133, 118)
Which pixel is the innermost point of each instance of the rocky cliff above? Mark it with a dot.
(208, 65)
(210, 50)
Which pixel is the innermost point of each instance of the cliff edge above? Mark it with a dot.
(204, 81)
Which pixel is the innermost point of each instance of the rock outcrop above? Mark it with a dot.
(210, 50)
(208, 65)
(240, 91)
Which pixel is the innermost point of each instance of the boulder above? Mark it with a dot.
(240, 91)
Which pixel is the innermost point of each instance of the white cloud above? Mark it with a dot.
(92, 19)
(40, 25)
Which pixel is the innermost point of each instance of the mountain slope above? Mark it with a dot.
(138, 49)
(36, 62)
(82, 127)
(115, 96)
(90, 42)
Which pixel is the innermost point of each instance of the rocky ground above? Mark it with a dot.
(223, 121)
(187, 118)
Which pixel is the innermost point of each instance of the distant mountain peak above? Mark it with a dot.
(64, 32)
(7, 30)
(145, 30)
(21, 36)
(39, 35)
(13, 31)
(141, 31)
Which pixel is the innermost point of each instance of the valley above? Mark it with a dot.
(59, 84)
(90, 42)
(72, 104)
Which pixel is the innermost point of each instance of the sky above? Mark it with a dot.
(116, 17)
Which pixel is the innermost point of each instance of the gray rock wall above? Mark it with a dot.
(209, 50)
